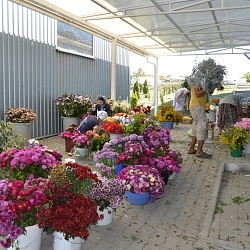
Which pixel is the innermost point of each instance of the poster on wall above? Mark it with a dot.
(73, 40)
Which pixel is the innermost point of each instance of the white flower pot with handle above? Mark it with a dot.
(108, 216)
(30, 241)
(67, 121)
(60, 243)
(246, 148)
(81, 152)
(23, 129)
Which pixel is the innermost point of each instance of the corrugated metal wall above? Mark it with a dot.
(33, 73)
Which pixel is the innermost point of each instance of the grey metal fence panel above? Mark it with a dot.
(33, 74)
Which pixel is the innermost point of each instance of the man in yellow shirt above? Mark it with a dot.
(200, 123)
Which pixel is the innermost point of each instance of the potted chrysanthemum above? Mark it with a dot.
(21, 119)
(70, 212)
(144, 183)
(167, 115)
(20, 207)
(107, 194)
(71, 107)
(235, 137)
(19, 164)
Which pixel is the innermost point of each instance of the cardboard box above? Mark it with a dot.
(187, 121)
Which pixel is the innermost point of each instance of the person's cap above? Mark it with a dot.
(102, 115)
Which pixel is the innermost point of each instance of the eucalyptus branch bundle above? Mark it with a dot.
(207, 75)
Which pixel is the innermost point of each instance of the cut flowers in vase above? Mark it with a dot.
(20, 115)
(20, 205)
(69, 211)
(141, 179)
(73, 105)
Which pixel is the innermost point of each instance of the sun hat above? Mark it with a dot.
(102, 115)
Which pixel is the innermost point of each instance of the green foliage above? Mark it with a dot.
(8, 139)
(145, 87)
(185, 85)
(247, 76)
(98, 142)
(140, 87)
(134, 100)
(137, 127)
(161, 98)
(208, 75)
(136, 89)
(238, 200)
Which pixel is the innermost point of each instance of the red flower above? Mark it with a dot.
(15, 191)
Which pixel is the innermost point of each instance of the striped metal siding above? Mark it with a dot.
(34, 73)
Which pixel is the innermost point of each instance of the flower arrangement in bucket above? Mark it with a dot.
(69, 211)
(106, 161)
(141, 109)
(136, 153)
(97, 141)
(20, 205)
(19, 164)
(20, 115)
(72, 105)
(70, 132)
(107, 192)
(137, 126)
(234, 137)
(142, 179)
(120, 106)
(167, 113)
(113, 127)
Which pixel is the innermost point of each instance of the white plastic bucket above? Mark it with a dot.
(60, 243)
(23, 129)
(246, 148)
(30, 241)
(108, 216)
(67, 121)
(81, 152)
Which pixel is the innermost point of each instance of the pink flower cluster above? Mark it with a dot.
(107, 192)
(245, 124)
(35, 160)
(19, 206)
(81, 141)
(141, 179)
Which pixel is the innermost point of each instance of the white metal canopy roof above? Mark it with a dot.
(179, 26)
(170, 27)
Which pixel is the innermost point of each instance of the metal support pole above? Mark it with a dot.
(156, 85)
(113, 70)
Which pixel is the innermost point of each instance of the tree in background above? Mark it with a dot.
(140, 87)
(145, 88)
(247, 76)
(134, 100)
(136, 89)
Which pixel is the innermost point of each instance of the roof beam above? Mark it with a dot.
(177, 12)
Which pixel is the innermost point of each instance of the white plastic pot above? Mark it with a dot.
(30, 241)
(108, 216)
(60, 243)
